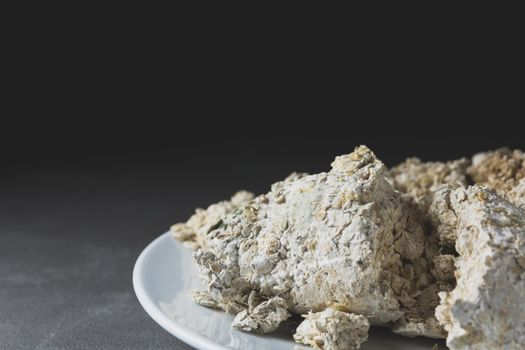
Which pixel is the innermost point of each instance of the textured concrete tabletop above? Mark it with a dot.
(70, 234)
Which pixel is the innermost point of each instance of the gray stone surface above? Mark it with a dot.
(69, 237)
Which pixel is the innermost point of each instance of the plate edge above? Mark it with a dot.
(189, 337)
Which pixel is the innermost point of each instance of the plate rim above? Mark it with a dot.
(186, 335)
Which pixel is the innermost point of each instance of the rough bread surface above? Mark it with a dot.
(193, 232)
(421, 180)
(423, 183)
(415, 249)
(264, 317)
(503, 171)
(333, 330)
(486, 309)
(342, 238)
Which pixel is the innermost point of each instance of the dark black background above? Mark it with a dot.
(106, 142)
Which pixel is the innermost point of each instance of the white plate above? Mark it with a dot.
(164, 273)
